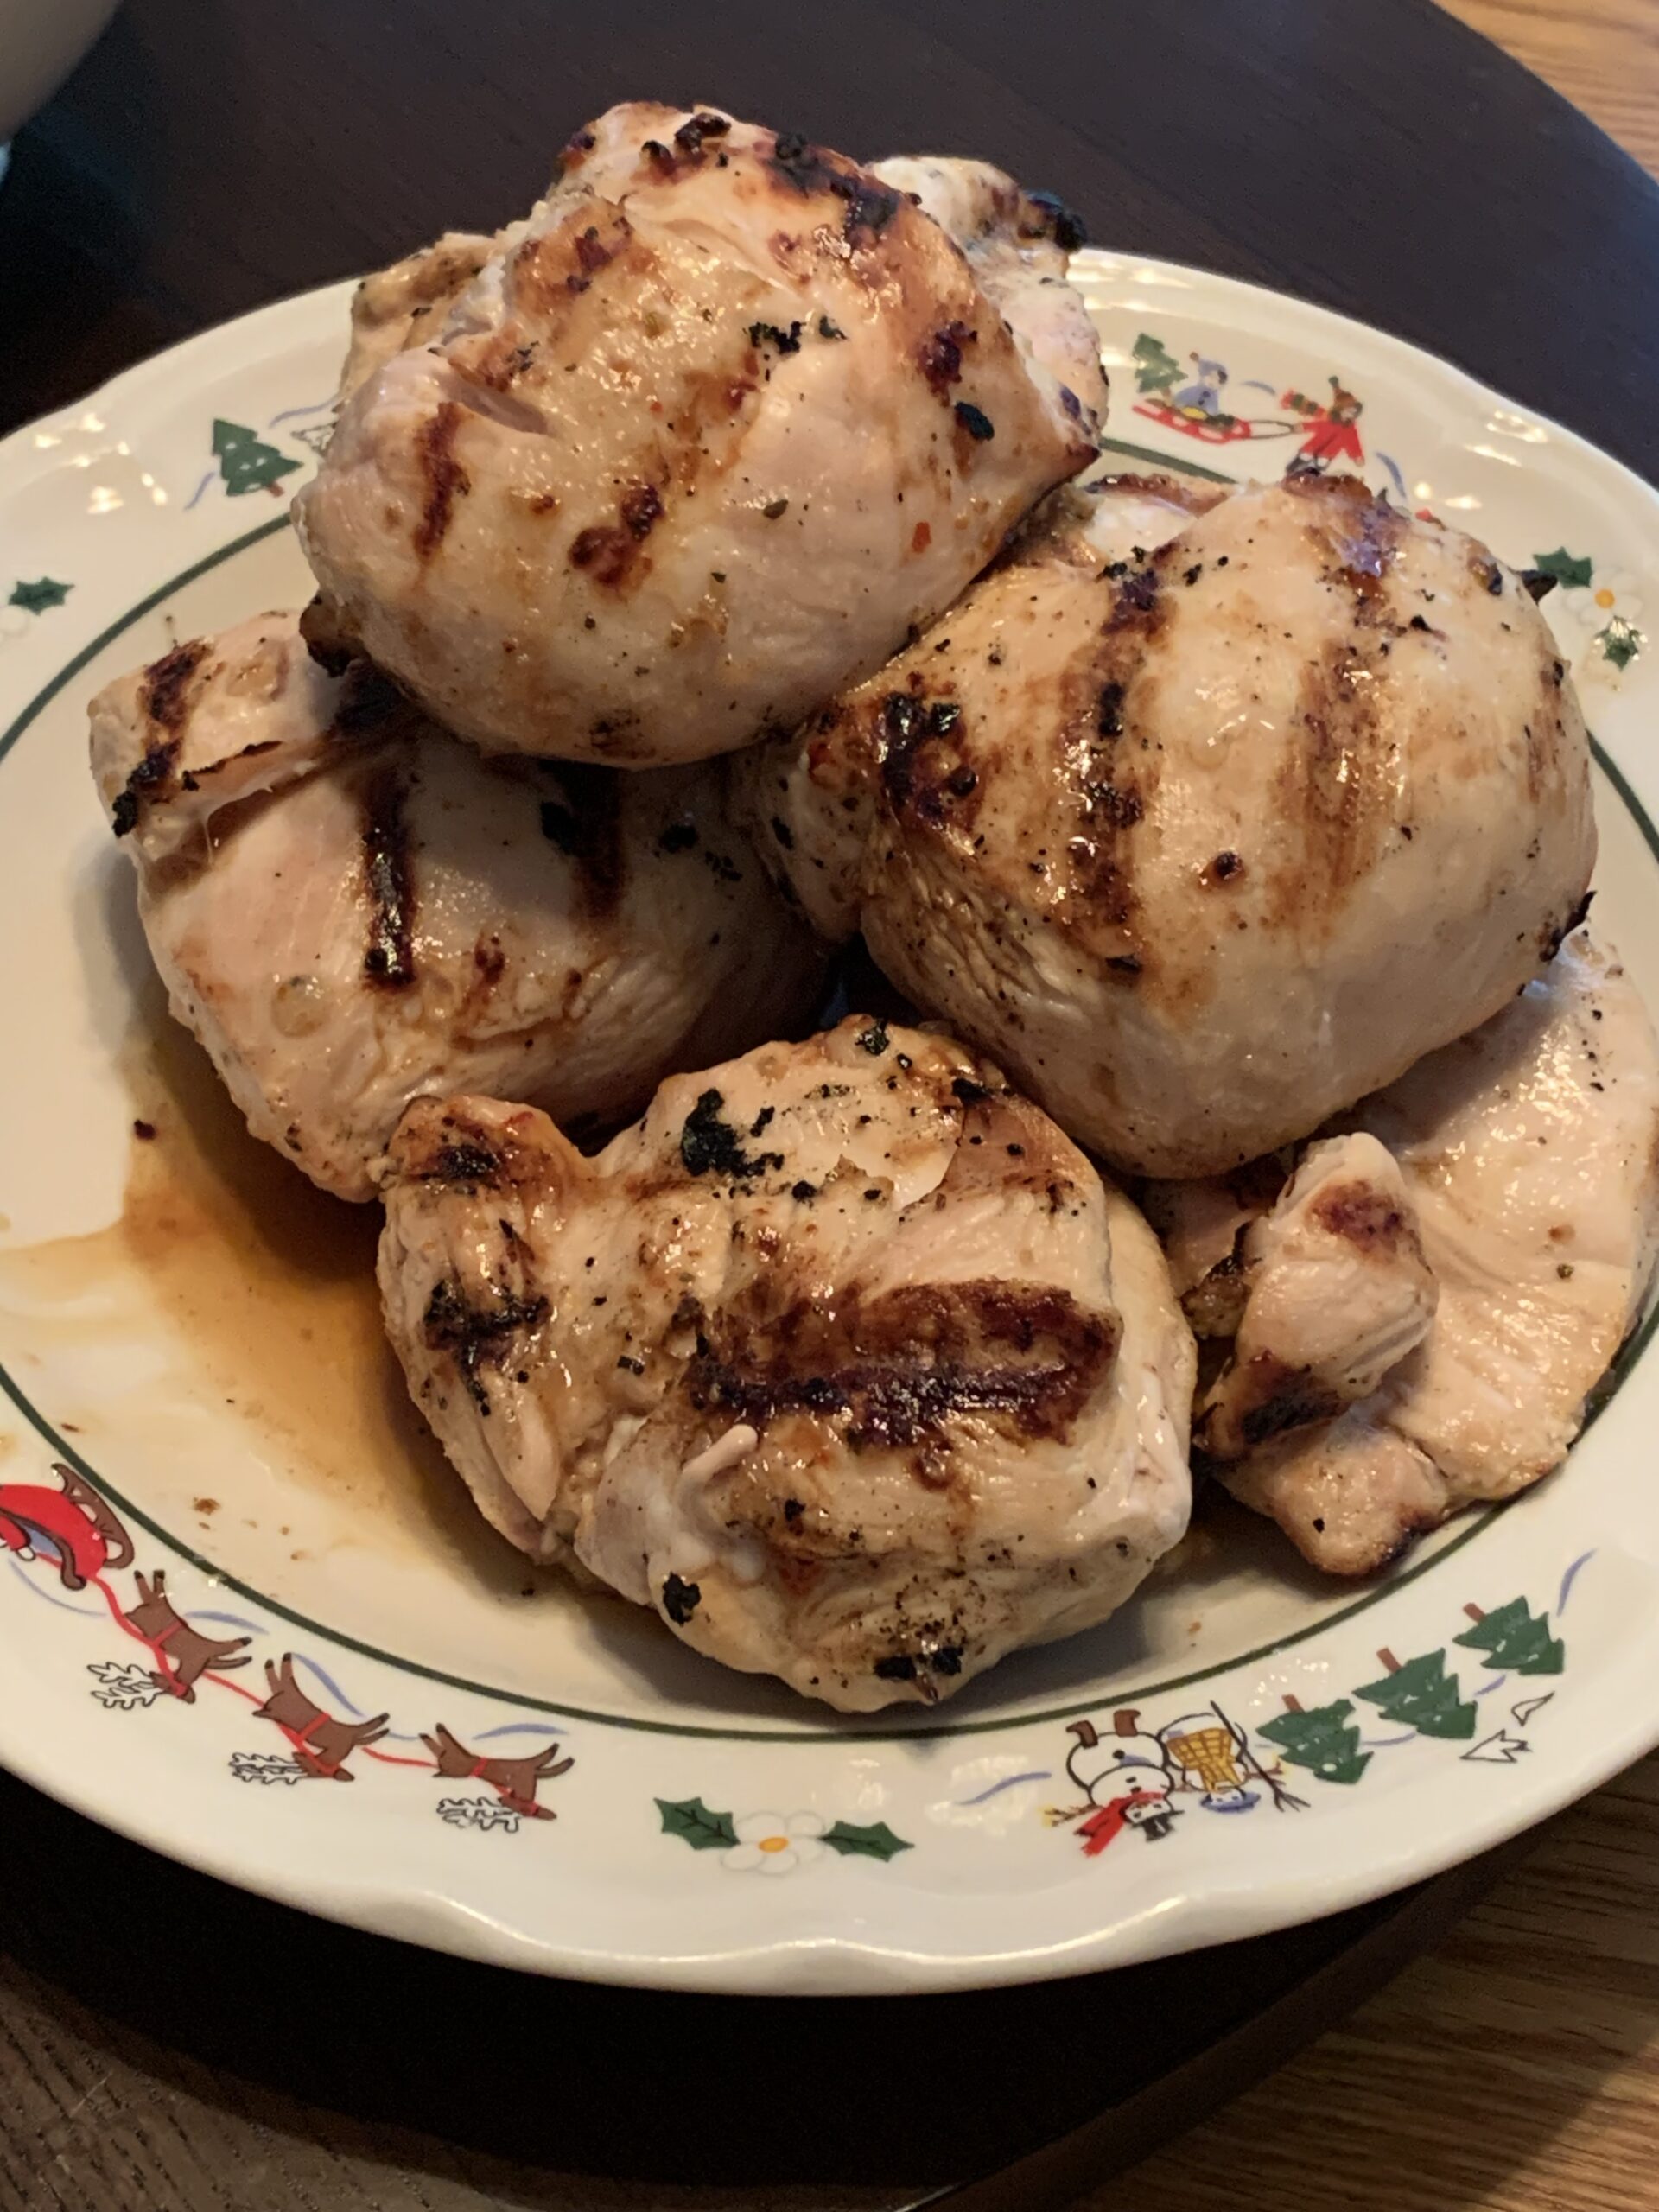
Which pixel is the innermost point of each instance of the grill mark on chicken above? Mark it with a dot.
(471, 1334)
(1336, 784)
(900, 1365)
(167, 685)
(1112, 776)
(146, 782)
(611, 551)
(165, 697)
(1281, 1398)
(811, 171)
(389, 960)
(711, 1144)
(586, 825)
(431, 1141)
(923, 773)
(446, 479)
(548, 273)
(702, 125)
(461, 1161)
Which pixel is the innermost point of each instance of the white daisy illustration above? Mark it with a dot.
(775, 1843)
(1609, 593)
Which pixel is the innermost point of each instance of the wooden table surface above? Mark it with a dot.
(1377, 157)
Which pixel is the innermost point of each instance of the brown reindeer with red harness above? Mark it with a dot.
(322, 1744)
(184, 1653)
(516, 1780)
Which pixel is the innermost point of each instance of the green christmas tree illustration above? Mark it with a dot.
(1422, 1695)
(1514, 1639)
(1156, 368)
(245, 464)
(1325, 1741)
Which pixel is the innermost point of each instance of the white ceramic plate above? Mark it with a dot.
(185, 1326)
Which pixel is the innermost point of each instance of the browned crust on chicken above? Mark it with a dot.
(447, 479)
(1026, 1357)
(825, 1360)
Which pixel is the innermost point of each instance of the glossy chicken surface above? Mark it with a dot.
(408, 304)
(707, 435)
(348, 907)
(1526, 1154)
(843, 1359)
(1208, 840)
(1017, 244)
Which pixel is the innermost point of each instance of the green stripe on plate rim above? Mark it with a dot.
(1629, 1356)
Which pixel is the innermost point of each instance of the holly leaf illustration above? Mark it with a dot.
(36, 598)
(1573, 569)
(690, 1820)
(877, 1842)
(1621, 641)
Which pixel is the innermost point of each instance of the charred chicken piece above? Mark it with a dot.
(1208, 840)
(707, 434)
(348, 907)
(843, 1360)
(1526, 1155)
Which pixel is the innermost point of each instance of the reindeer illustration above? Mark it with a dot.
(515, 1779)
(322, 1744)
(185, 1654)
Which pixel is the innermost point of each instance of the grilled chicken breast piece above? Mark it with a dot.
(843, 1359)
(1527, 1154)
(1336, 1292)
(1207, 845)
(348, 907)
(708, 433)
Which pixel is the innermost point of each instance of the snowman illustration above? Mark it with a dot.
(1130, 1778)
(1125, 1781)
